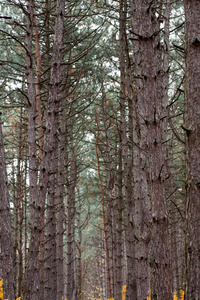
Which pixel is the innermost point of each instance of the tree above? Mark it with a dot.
(5, 228)
(38, 192)
(192, 127)
(95, 149)
(147, 60)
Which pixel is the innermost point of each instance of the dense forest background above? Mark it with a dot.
(100, 149)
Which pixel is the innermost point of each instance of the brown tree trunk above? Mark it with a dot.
(19, 211)
(33, 255)
(126, 152)
(127, 146)
(174, 221)
(192, 128)
(37, 87)
(146, 28)
(112, 195)
(71, 286)
(50, 277)
(119, 221)
(80, 249)
(5, 228)
(40, 137)
(103, 211)
(136, 187)
(59, 196)
(38, 195)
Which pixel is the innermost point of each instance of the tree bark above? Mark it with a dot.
(33, 260)
(71, 285)
(59, 196)
(192, 128)
(38, 193)
(50, 277)
(103, 212)
(19, 211)
(147, 58)
(127, 99)
(5, 228)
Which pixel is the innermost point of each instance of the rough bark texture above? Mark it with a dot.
(141, 232)
(80, 249)
(50, 280)
(5, 229)
(111, 194)
(175, 223)
(38, 195)
(33, 255)
(192, 127)
(119, 221)
(19, 212)
(39, 122)
(145, 27)
(103, 212)
(59, 206)
(127, 99)
(71, 288)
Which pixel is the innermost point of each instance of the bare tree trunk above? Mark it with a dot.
(136, 186)
(80, 249)
(50, 278)
(38, 194)
(37, 87)
(19, 211)
(174, 221)
(39, 122)
(192, 128)
(112, 192)
(5, 228)
(59, 204)
(103, 212)
(145, 32)
(126, 162)
(127, 99)
(33, 255)
(119, 221)
(71, 286)
(111, 215)
(142, 207)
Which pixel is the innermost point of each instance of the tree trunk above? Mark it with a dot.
(119, 221)
(126, 160)
(192, 128)
(33, 255)
(147, 58)
(5, 228)
(127, 99)
(71, 285)
(38, 194)
(59, 205)
(103, 212)
(19, 211)
(50, 278)
(80, 249)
